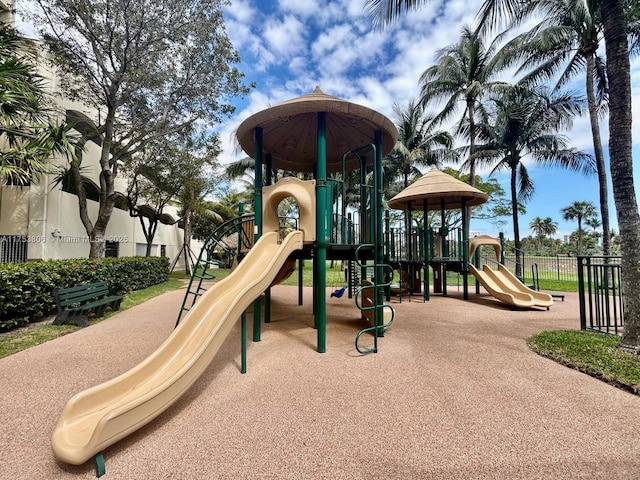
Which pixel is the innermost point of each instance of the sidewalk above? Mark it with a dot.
(454, 393)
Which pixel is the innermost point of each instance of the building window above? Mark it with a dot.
(111, 249)
(13, 248)
(163, 250)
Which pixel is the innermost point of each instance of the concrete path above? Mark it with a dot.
(454, 393)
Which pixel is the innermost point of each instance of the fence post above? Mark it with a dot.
(581, 293)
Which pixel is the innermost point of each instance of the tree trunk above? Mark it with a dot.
(621, 164)
(600, 165)
(79, 186)
(107, 190)
(186, 244)
(472, 160)
(516, 227)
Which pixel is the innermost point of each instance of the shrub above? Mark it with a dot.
(26, 289)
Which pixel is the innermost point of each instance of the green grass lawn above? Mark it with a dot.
(596, 354)
(35, 334)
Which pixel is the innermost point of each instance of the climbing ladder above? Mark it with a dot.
(232, 239)
(369, 299)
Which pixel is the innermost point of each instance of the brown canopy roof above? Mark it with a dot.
(289, 131)
(436, 186)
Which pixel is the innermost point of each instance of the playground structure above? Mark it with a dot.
(503, 284)
(317, 134)
(436, 191)
(446, 251)
(313, 133)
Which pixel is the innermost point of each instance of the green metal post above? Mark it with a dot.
(243, 344)
(99, 464)
(379, 236)
(427, 250)
(257, 212)
(465, 250)
(300, 279)
(321, 241)
(267, 293)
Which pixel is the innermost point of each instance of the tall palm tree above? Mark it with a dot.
(619, 17)
(419, 144)
(549, 227)
(621, 164)
(526, 124)
(537, 226)
(579, 211)
(465, 73)
(565, 42)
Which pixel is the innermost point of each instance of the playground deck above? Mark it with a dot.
(454, 392)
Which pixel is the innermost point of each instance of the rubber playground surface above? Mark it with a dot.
(453, 393)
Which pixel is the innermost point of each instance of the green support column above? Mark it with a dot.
(243, 344)
(321, 242)
(427, 250)
(257, 211)
(378, 234)
(267, 293)
(465, 250)
(300, 279)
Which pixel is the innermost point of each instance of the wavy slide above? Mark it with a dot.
(507, 288)
(100, 416)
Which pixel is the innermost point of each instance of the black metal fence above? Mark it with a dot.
(600, 294)
(555, 267)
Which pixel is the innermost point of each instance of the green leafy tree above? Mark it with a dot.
(151, 69)
(581, 212)
(28, 131)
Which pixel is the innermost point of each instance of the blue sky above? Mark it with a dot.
(288, 47)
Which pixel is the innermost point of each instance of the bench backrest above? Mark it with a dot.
(81, 293)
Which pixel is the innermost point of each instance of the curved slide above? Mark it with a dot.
(100, 416)
(507, 288)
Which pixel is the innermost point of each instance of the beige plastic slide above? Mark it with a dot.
(100, 416)
(507, 288)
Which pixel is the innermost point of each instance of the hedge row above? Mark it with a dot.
(26, 289)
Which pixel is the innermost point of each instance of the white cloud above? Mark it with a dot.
(285, 37)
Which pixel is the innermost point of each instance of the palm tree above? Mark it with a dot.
(579, 211)
(537, 225)
(526, 123)
(27, 133)
(618, 18)
(621, 164)
(418, 144)
(549, 227)
(566, 41)
(465, 72)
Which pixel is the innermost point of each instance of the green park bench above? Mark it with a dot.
(76, 303)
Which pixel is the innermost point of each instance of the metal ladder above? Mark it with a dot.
(377, 329)
(218, 243)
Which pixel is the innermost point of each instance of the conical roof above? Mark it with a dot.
(289, 131)
(436, 186)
